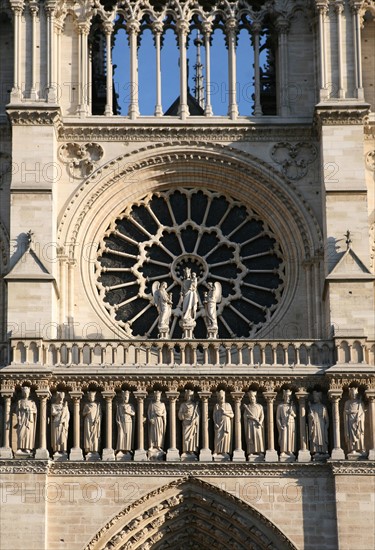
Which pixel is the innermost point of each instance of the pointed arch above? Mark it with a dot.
(189, 513)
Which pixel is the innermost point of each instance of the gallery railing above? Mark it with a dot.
(143, 353)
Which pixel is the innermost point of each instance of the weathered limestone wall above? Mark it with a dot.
(65, 511)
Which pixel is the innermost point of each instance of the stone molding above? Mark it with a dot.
(127, 133)
(337, 115)
(173, 382)
(32, 117)
(171, 469)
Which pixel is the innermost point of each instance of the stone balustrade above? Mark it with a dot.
(271, 353)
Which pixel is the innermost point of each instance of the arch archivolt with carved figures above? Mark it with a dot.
(215, 518)
(132, 181)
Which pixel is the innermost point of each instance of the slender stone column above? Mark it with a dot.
(76, 451)
(282, 26)
(231, 28)
(42, 451)
(339, 7)
(157, 29)
(271, 453)
(337, 452)
(205, 454)
(322, 7)
(238, 453)
(207, 30)
(357, 48)
(108, 452)
(370, 394)
(133, 29)
(83, 30)
(108, 27)
(17, 8)
(140, 454)
(33, 6)
(183, 30)
(303, 453)
(6, 450)
(51, 81)
(173, 454)
(257, 27)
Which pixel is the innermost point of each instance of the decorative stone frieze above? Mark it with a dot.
(126, 133)
(31, 117)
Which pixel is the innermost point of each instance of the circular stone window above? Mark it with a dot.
(217, 237)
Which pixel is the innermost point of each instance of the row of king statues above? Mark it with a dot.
(189, 302)
(189, 413)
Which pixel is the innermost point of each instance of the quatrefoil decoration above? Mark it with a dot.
(81, 159)
(294, 159)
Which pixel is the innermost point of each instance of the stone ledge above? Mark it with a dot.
(171, 469)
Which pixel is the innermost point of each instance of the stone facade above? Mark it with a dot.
(237, 408)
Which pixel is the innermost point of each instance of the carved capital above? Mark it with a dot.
(157, 27)
(301, 394)
(370, 394)
(76, 395)
(237, 395)
(172, 395)
(108, 394)
(43, 394)
(204, 395)
(231, 25)
(133, 26)
(334, 394)
(140, 395)
(108, 27)
(270, 396)
(182, 27)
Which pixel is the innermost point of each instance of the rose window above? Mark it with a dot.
(218, 238)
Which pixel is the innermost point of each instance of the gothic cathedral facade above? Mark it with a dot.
(187, 267)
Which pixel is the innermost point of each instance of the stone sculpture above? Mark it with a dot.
(26, 423)
(59, 425)
(189, 415)
(157, 423)
(211, 298)
(222, 416)
(163, 303)
(92, 416)
(318, 420)
(253, 421)
(354, 424)
(286, 425)
(190, 301)
(125, 414)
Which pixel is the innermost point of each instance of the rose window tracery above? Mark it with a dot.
(217, 237)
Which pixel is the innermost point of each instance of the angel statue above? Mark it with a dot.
(163, 303)
(211, 298)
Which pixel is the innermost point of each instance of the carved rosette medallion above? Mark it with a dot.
(215, 236)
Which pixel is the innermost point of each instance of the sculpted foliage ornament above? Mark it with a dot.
(81, 159)
(294, 159)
